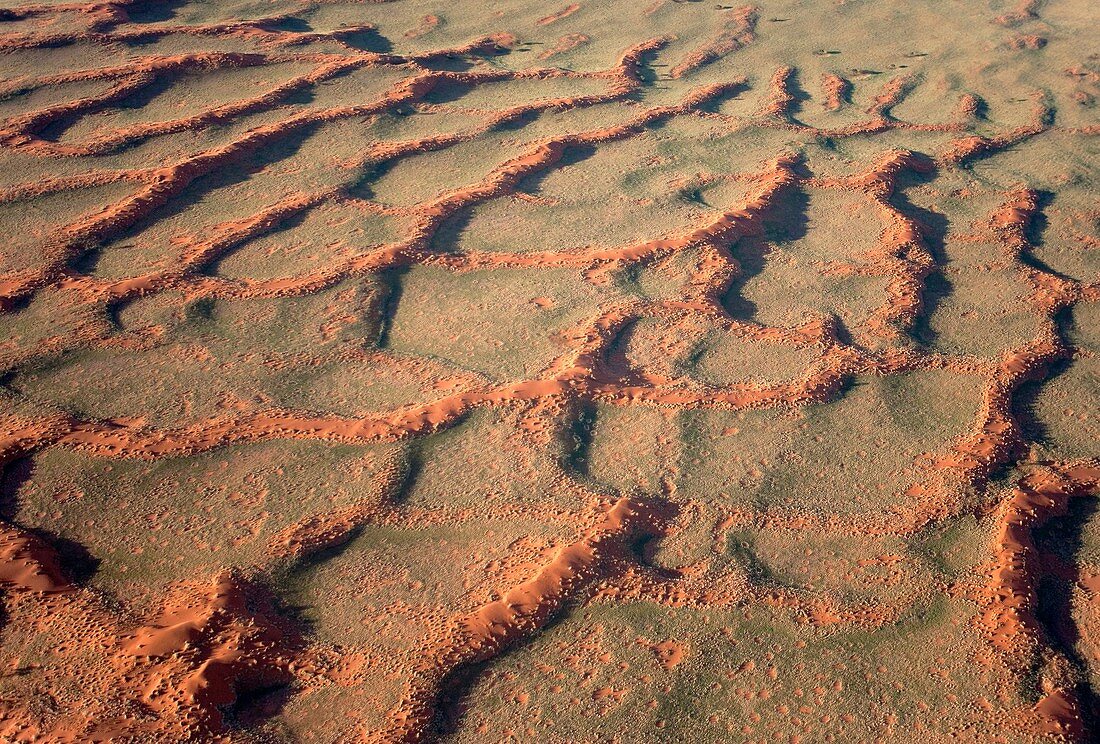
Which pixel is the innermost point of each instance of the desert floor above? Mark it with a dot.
(616, 371)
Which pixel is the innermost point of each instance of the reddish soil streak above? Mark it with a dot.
(427, 24)
(779, 100)
(837, 91)
(567, 43)
(737, 30)
(565, 12)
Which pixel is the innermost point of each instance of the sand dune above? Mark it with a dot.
(382, 371)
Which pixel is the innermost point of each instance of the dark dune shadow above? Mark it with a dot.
(405, 486)
(451, 233)
(1064, 538)
(933, 228)
(577, 438)
(288, 23)
(261, 693)
(242, 170)
(77, 562)
(799, 96)
(713, 105)
(87, 261)
(213, 266)
(154, 11)
(518, 122)
(367, 40)
(448, 91)
(573, 155)
(1036, 235)
(392, 280)
(453, 699)
(15, 475)
(786, 222)
(140, 98)
(647, 72)
(788, 219)
(1025, 403)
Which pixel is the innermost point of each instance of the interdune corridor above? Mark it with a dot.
(611, 371)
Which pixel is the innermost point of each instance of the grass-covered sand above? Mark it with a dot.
(596, 372)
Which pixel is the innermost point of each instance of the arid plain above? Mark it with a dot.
(615, 371)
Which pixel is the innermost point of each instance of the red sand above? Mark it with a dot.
(213, 640)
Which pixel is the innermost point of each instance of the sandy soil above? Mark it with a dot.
(391, 371)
